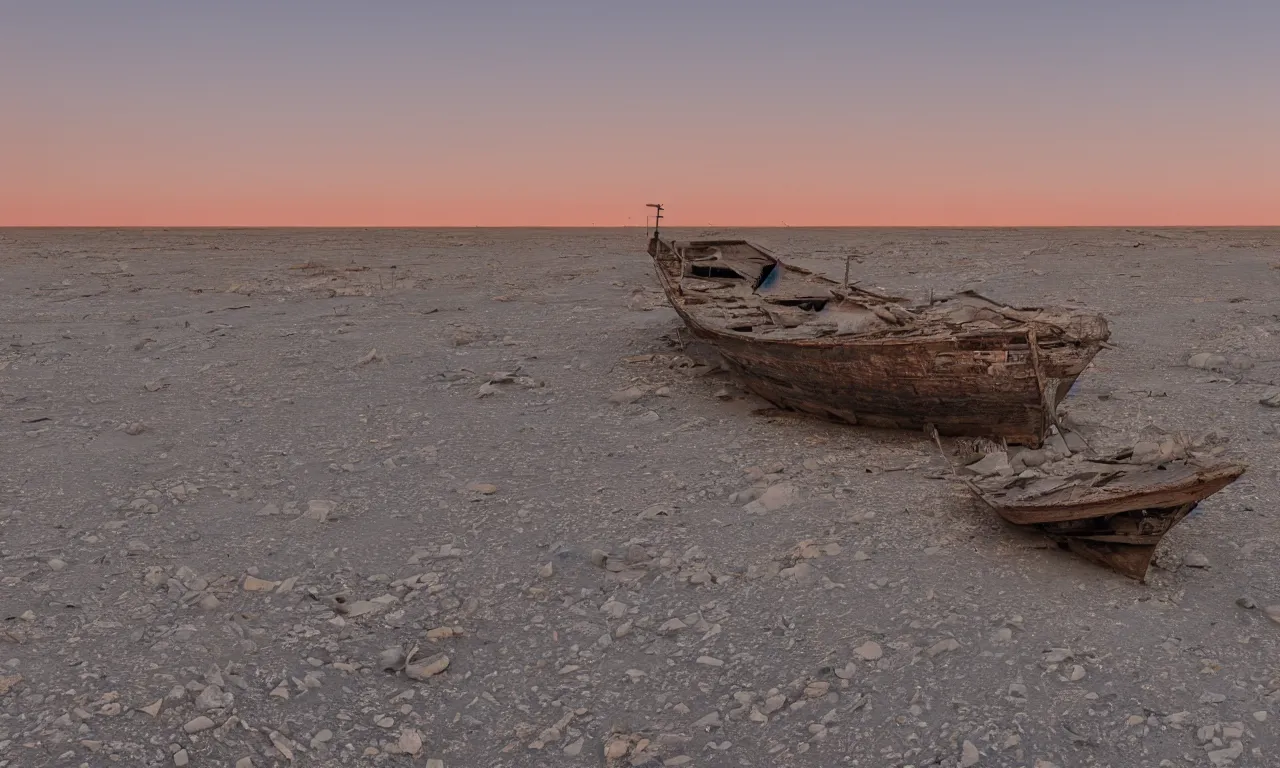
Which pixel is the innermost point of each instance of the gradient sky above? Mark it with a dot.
(578, 112)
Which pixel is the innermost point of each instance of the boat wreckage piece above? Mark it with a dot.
(1113, 511)
(966, 364)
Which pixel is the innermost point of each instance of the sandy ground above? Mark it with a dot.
(245, 473)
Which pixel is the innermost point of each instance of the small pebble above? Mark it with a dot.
(869, 651)
(198, 724)
(1195, 560)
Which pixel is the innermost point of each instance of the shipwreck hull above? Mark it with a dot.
(980, 384)
(1120, 527)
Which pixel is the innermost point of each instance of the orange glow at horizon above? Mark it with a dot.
(974, 177)
(904, 188)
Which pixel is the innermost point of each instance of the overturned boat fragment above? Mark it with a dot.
(1113, 511)
(966, 364)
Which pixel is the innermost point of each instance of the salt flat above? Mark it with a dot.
(245, 473)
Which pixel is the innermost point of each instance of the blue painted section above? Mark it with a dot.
(771, 280)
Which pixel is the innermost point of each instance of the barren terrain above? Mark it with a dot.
(382, 497)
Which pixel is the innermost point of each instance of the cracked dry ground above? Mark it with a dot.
(457, 498)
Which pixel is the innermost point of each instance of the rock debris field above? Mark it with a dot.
(468, 497)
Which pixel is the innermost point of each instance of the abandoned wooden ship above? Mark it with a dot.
(1113, 511)
(965, 363)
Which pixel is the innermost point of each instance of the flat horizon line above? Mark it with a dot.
(6, 227)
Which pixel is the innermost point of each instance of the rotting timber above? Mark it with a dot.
(966, 364)
(1112, 511)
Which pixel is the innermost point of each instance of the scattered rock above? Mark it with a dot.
(1207, 361)
(671, 626)
(427, 668)
(255, 584)
(1056, 655)
(282, 744)
(319, 509)
(322, 737)
(410, 741)
(1271, 399)
(801, 571)
(1222, 757)
(8, 683)
(1195, 560)
(212, 697)
(774, 498)
(648, 417)
(1177, 719)
(817, 689)
(968, 755)
(626, 396)
(391, 659)
(869, 651)
(615, 748)
(486, 489)
(774, 703)
(362, 607)
(196, 725)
